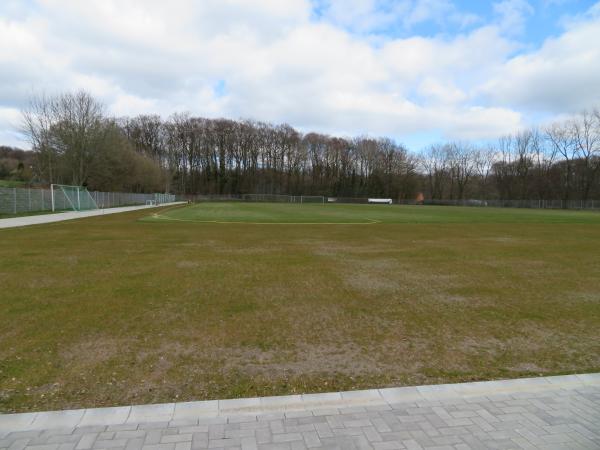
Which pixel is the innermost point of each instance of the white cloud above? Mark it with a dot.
(512, 15)
(10, 119)
(441, 91)
(277, 63)
(371, 16)
(428, 10)
(562, 76)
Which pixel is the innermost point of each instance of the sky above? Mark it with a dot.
(418, 71)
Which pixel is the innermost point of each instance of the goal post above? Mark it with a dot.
(312, 199)
(76, 198)
(282, 198)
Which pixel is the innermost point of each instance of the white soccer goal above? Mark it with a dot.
(65, 197)
(312, 199)
(278, 198)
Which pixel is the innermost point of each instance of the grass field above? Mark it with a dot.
(11, 183)
(293, 213)
(189, 304)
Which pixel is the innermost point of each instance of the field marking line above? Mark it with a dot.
(180, 206)
(161, 217)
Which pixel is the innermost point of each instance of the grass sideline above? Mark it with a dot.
(127, 308)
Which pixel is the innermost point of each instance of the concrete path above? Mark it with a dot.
(59, 217)
(552, 412)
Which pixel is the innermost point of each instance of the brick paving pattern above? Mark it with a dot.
(545, 419)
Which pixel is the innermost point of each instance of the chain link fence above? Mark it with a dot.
(530, 204)
(24, 200)
(281, 198)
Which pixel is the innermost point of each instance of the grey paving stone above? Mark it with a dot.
(183, 445)
(297, 414)
(249, 443)
(176, 438)
(224, 443)
(287, 437)
(236, 405)
(311, 439)
(58, 419)
(105, 416)
(187, 410)
(563, 412)
(86, 441)
(16, 422)
(63, 439)
(110, 443)
(42, 447)
(123, 427)
(330, 398)
(90, 429)
(159, 447)
(153, 426)
(19, 444)
(400, 395)
(153, 437)
(151, 413)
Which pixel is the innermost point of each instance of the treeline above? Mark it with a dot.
(76, 143)
(16, 164)
(219, 156)
(561, 162)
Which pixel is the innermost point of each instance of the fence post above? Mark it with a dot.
(15, 199)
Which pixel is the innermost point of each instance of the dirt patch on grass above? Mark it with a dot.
(92, 352)
(503, 239)
(186, 264)
(303, 359)
(586, 296)
(41, 282)
(527, 367)
(391, 276)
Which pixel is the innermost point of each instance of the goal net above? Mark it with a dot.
(76, 198)
(270, 198)
(277, 198)
(310, 199)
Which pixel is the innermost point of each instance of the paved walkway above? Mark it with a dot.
(551, 412)
(59, 217)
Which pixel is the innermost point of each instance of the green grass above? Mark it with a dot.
(128, 308)
(12, 183)
(290, 213)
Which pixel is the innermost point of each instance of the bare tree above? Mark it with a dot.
(560, 137)
(434, 162)
(66, 127)
(38, 119)
(462, 164)
(484, 162)
(586, 139)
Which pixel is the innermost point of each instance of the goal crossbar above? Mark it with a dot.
(280, 198)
